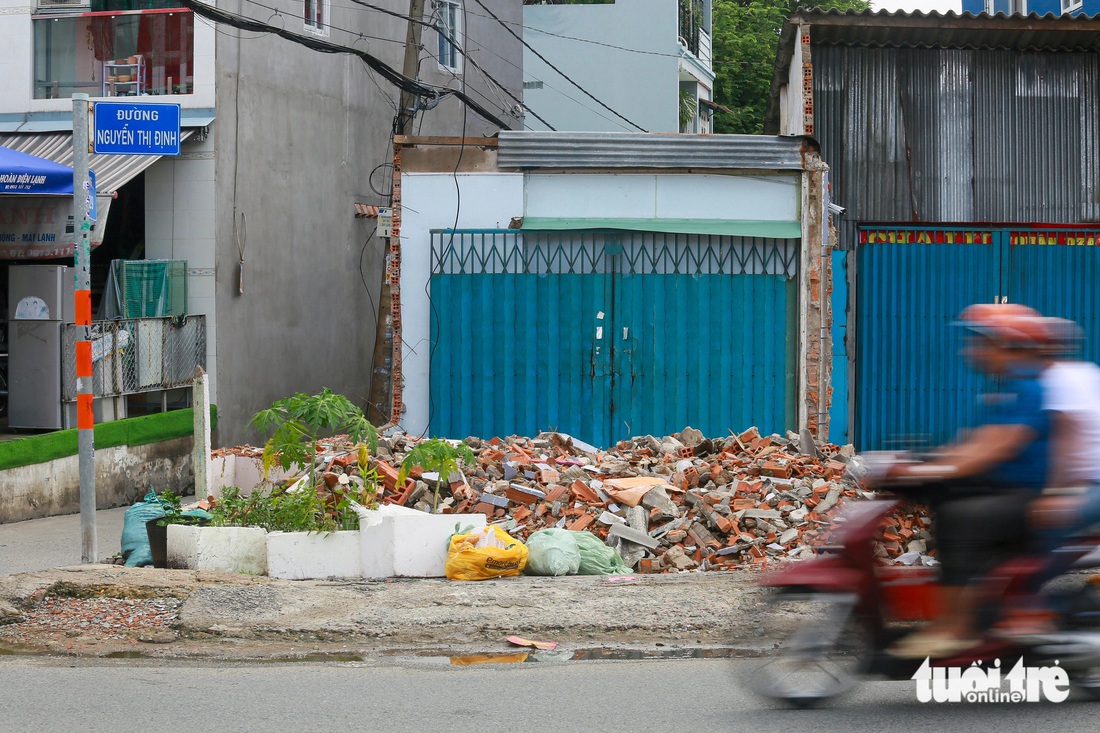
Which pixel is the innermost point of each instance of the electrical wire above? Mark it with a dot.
(584, 40)
(555, 68)
(458, 77)
(389, 73)
(524, 104)
(281, 11)
(462, 51)
(450, 240)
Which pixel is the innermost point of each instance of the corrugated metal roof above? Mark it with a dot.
(951, 30)
(1048, 33)
(949, 135)
(602, 150)
(112, 172)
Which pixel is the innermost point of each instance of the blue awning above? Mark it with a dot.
(25, 174)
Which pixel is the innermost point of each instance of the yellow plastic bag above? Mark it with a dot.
(485, 553)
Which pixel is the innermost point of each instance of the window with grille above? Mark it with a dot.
(449, 31)
(315, 14)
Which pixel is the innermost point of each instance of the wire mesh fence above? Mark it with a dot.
(137, 355)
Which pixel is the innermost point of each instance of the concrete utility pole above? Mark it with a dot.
(85, 414)
(200, 403)
(406, 114)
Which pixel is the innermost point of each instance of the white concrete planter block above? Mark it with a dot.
(224, 549)
(402, 542)
(305, 555)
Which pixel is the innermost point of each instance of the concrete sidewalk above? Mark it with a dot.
(231, 616)
(40, 544)
(226, 615)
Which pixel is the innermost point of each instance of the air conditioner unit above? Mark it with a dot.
(63, 4)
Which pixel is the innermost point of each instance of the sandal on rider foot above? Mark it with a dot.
(920, 645)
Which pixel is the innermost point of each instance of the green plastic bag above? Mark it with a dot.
(135, 540)
(553, 552)
(596, 557)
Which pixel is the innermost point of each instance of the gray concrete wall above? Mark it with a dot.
(123, 475)
(298, 135)
(643, 87)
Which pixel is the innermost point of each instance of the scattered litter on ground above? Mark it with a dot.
(547, 646)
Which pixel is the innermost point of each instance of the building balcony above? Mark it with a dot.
(112, 52)
(694, 29)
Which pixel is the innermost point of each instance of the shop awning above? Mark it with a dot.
(112, 171)
(720, 227)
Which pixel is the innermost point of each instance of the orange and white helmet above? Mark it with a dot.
(1009, 325)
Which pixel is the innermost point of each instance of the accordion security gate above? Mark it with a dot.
(609, 334)
(912, 386)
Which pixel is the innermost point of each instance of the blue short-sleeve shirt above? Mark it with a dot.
(1021, 403)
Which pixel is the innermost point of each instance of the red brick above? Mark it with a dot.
(581, 523)
(583, 493)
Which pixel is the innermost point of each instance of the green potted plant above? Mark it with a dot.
(440, 456)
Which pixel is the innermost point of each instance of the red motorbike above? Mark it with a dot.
(840, 611)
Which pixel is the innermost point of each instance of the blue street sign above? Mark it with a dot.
(136, 129)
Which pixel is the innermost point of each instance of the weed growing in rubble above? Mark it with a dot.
(301, 420)
(436, 454)
(291, 509)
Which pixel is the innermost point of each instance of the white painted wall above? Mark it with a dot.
(429, 201)
(179, 225)
(671, 196)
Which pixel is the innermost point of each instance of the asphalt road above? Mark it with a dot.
(48, 695)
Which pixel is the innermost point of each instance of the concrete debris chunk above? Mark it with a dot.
(658, 500)
(630, 534)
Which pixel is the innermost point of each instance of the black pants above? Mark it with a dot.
(976, 526)
(975, 533)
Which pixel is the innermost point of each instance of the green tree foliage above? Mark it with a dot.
(745, 40)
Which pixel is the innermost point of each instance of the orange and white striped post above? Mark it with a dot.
(85, 415)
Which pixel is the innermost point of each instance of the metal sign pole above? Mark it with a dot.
(85, 416)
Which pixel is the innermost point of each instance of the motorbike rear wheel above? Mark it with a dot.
(1083, 614)
(823, 652)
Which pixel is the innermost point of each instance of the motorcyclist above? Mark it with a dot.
(1071, 500)
(986, 481)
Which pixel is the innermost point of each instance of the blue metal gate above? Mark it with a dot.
(609, 334)
(912, 387)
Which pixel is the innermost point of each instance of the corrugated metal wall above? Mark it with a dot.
(1057, 272)
(938, 135)
(947, 135)
(609, 334)
(915, 389)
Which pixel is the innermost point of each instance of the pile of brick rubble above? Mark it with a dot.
(681, 502)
